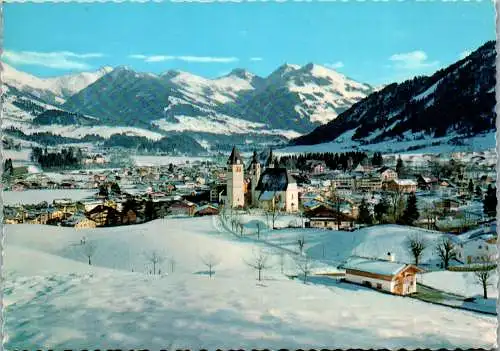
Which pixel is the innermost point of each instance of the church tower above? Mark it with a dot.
(270, 160)
(235, 180)
(254, 170)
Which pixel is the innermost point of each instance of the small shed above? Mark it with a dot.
(386, 275)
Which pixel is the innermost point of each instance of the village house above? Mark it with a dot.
(477, 246)
(20, 186)
(206, 210)
(402, 185)
(104, 216)
(324, 217)
(385, 275)
(368, 183)
(386, 174)
(182, 208)
(316, 167)
(447, 205)
(427, 182)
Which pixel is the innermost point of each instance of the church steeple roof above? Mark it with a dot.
(255, 160)
(270, 159)
(235, 158)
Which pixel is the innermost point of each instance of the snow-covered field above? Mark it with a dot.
(461, 283)
(36, 196)
(22, 155)
(143, 160)
(61, 302)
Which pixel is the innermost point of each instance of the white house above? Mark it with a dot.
(476, 247)
(385, 275)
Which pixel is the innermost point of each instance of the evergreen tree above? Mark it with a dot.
(149, 209)
(8, 168)
(470, 187)
(115, 188)
(400, 167)
(103, 191)
(410, 214)
(490, 202)
(478, 192)
(381, 208)
(365, 216)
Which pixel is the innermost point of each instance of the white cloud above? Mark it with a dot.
(55, 59)
(335, 65)
(256, 59)
(413, 61)
(464, 54)
(202, 59)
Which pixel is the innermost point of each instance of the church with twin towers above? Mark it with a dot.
(262, 186)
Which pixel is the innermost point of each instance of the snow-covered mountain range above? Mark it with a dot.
(289, 102)
(456, 103)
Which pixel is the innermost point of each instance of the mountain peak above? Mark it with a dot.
(240, 73)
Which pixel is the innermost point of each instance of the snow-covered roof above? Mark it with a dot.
(407, 182)
(374, 266)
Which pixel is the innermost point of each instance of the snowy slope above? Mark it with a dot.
(427, 144)
(62, 302)
(458, 100)
(53, 90)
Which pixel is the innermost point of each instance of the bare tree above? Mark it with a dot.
(89, 248)
(304, 266)
(273, 213)
(446, 251)
(211, 261)
(301, 241)
(258, 225)
(484, 274)
(282, 261)
(156, 259)
(416, 244)
(430, 214)
(240, 225)
(172, 263)
(259, 263)
(396, 200)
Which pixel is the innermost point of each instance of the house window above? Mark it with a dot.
(379, 286)
(479, 247)
(367, 283)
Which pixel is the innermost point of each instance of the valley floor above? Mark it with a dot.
(54, 299)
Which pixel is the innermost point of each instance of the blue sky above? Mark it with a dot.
(373, 42)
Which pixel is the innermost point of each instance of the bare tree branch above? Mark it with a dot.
(484, 274)
(304, 266)
(211, 261)
(446, 251)
(259, 263)
(89, 248)
(416, 244)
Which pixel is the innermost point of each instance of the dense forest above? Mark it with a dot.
(49, 139)
(66, 158)
(172, 144)
(60, 117)
(343, 161)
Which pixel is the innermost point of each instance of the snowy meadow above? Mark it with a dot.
(178, 282)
